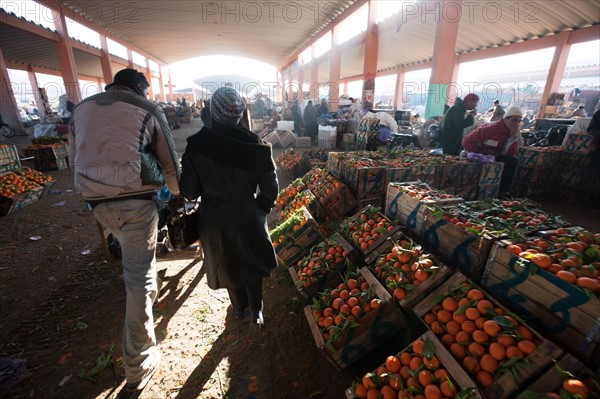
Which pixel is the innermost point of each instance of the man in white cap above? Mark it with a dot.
(501, 139)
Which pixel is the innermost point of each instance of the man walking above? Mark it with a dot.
(123, 152)
(455, 121)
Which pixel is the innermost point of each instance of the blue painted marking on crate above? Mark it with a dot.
(411, 221)
(392, 209)
(377, 184)
(431, 238)
(460, 257)
(575, 296)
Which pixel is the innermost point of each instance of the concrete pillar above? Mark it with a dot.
(8, 103)
(399, 89)
(335, 70)
(371, 54)
(444, 57)
(66, 60)
(557, 69)
(36, 91)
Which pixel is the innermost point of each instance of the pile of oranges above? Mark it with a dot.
(304, 198)
(574, 388)
(290, 159)
(416, 372)
(313, 176)
(324, 186)
(572, 255)
(322, 258)
(338, 309)
(422, 191)
(13, 184)
(34, 175)
(286, 195)
(480, 335)
(403, 267)
(367, 227)
(282, 232)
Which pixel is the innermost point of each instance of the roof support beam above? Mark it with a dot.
(444, 58)
(11, 20)
(557, 69)
(105, 61)
(399, 89)
(85, 48)
(371, 56)
(64, 53)
(8, 103)
(161, 84)
(335, 69)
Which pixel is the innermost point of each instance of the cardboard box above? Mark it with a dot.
(580, 142)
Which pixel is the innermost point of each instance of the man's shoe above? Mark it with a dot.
(240, 314)
(258, 318)
(140, 385)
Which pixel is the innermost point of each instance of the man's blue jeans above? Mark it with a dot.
(134, 223)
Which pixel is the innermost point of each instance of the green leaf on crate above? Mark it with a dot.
(462, 309)
(438, 298)
(511, 362)
(503, 322)
(466, 393)
(428, 349)
(563, 374)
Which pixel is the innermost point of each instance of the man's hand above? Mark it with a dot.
(177, 203)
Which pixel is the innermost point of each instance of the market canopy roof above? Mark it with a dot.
(271, 32)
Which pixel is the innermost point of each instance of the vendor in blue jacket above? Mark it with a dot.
(455, 121)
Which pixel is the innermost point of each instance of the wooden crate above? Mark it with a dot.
(338, 202)
(384, 246)
(373, 329)
(303, 142)
(313, 206)
(577, 177)
(462, 174)
(286, 139)
(298, 244)
(457, 246)
(468, 193)
(9, 159)
(401, 175)
(272, 138)
(365, 181)
(505, 385)
(378, 242)
(410, 211)
(488, 191)
(539, 157)
(551, 380)
(571, 160)
(416, 295)
(580, 142)
(49, 157)
(10, 205)
(491, 173)
(560, 309)
(529, 190)
(426, 173)
(532, 175)
(331, 277)
(457, 374)
(373, 200)
(334, 164)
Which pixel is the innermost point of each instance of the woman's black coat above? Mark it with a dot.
(232, 171)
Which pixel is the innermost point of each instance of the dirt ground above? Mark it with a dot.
(62, 309)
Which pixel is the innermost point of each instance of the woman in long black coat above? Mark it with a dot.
(232, 170)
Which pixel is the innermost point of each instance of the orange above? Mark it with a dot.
(576, 387)
(589, 283)
(373, 393)
(526, 346)
(360, 391)
(393, 364)
(448, 339)
(431, 364)
(462, 336)
(452, 327)
(425, 377)
(432, 392)
(485, 378)
(470, 364)
(405, 358)
(505, 340)
(459, 318)
(476, 349)
(417, 346)
(440, 374)
(399, 293)
(444, 316)
(428, 318)
(449, 390)
(415, 362)
(498, 351)
(513, 351)
(491, 328)
(437, 328)
(567, 276)
(468, 326)
(524, 332)
(368, 382)
(475, 294)
(458, 351)
(472, 313)
(483, 306)
(387, 392)
(449, 304)
(488, 363)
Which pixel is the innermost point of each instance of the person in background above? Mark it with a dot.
(275, 117)
(205, 114)
(184, 102)
(232, 170)
(323, 109)
(310, 121)
(296, 116)
(501, 139)
(260, 107)
(454, 122)
(579, 112)
(498, 112)
(528, 119)
(268, 106)
(133, 155)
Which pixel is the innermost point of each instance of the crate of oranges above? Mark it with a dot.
(353, 318)
(323, 266)
(17, 192)
(408, 272)
(368, 229)
(493, 345)
(567, 379)
(424, 369)
(46, 181)
(294, 238)
(553, 279)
